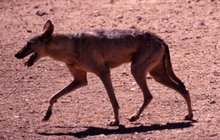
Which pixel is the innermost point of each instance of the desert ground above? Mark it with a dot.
(191, 28)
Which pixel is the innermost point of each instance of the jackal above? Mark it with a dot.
(98, 51)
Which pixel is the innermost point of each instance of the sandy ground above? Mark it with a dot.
(192, 30)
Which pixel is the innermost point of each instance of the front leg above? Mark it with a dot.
(79, 81)
(104, 75)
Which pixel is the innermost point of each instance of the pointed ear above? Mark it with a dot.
(48, 30)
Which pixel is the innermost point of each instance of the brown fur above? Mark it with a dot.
(98, 51)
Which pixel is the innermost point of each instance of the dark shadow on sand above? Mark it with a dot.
(93, 131)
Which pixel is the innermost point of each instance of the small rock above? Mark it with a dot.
(133, 27)
(119, 17)
(214, 135)
(201, 23)
(1, 119)
(132, 89)
(65, 101)
(29, 31)
(36, 6)
(211, 12)
(41, 13)
(52, 9)
(16, 116)
(213, 102)
(187, 53)
(139, 18)
(125, 73)
(216, 73)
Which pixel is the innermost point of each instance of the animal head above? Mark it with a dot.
(36, 45)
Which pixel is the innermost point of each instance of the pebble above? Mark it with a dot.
(213, 102)
(29, 31)
(41, 13)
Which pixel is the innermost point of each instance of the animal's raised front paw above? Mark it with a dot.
(47, 115)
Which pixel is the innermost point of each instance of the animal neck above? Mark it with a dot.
(60, 47)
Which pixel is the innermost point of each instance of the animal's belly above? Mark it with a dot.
(115, 61)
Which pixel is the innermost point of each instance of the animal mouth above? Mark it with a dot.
(31, 60)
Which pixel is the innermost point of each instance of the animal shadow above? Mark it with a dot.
(93, 131)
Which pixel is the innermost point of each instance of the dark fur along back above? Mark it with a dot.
(116, 34)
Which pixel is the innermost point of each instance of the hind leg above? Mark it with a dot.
(139, 74)
(142, 63)
(160, 75)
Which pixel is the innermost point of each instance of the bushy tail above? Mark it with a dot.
(169, 68)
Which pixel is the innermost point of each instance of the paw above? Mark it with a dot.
(113, 123)
(47, 115)
(189, 117)
(133, 118)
